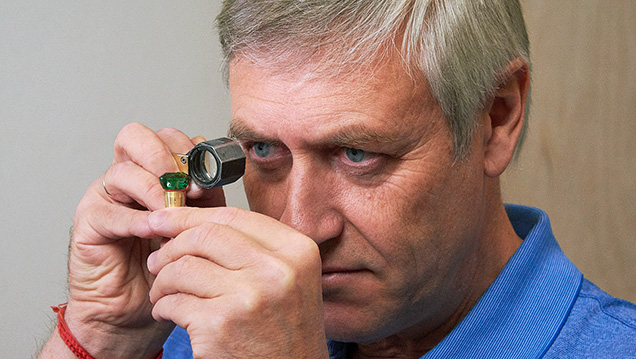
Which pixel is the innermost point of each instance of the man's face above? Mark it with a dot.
(363, 164)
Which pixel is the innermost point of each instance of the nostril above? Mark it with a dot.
(320, 223)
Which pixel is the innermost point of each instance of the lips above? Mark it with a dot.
(327, 270)
(334, 276)
(344, 273)
(336, 270)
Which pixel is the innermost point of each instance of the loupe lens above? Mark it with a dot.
(209, 164)
(216, 163)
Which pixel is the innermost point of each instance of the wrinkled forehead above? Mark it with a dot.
(374, 104)
(353, 77)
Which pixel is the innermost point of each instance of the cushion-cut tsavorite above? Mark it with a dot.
(174, 181)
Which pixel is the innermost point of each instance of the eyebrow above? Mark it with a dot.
(239, 131)
(359, 136)
(352, 136)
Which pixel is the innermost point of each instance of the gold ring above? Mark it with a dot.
(106, 189)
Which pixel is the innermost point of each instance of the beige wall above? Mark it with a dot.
(72, 73)
(579, 163)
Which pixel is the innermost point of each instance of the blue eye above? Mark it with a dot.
(261, 149)
(355, 155)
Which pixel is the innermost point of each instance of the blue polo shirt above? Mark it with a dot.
(539, 306)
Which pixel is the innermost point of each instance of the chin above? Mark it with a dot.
(353, 325)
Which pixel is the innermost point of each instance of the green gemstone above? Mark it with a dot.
(174, 181)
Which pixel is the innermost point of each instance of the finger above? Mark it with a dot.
(269, 232)
(190, 275)
(139, 144)
(176, 140)
(112, 221)
(198, 139)
(182, 309)
(204, 319)
(129, 183)
(223, 245)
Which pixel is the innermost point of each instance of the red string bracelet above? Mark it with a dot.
(68, 337)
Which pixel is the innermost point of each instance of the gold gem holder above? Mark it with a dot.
(174, 198)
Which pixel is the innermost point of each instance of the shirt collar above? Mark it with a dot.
(523, 310)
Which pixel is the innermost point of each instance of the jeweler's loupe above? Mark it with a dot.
(213, 163)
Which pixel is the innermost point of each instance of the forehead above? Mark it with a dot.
(380, 101)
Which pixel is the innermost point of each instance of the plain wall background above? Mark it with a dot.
(579, 163)
(72, 73)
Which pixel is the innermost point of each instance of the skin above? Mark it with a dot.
(389, 250)
(453, 236)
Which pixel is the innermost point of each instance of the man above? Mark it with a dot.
(375, 133)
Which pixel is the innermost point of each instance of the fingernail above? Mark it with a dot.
(152, 259)
(156, 219)
(195, 187)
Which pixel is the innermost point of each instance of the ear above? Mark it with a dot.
(505, 117)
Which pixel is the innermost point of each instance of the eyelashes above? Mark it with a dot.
(360, 163)
(269, 157)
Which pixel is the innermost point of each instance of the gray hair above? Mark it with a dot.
(461, 47)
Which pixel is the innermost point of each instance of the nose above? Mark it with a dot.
(311, 204)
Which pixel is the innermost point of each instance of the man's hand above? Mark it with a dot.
(243, 285)
(109, 311)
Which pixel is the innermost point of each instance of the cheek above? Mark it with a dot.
(399, 203)
(266, 197)
(389, 217)
(409, 218)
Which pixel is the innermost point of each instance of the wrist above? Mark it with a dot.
(55, 348)
(94, 340)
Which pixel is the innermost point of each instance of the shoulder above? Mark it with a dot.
(599, 326)
(612, 310)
